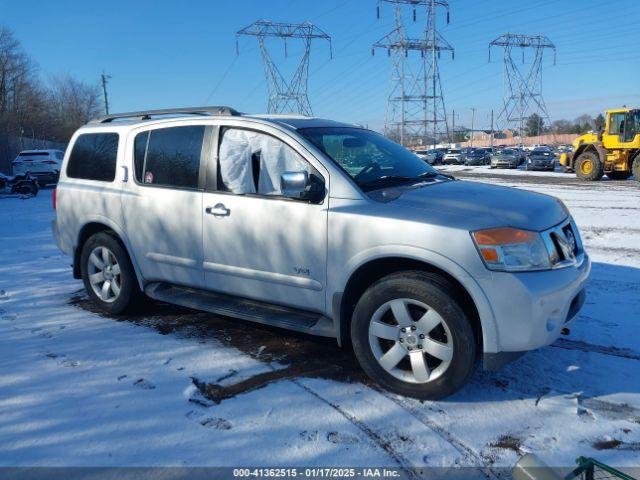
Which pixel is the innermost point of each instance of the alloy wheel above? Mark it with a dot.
(104, 274)
(410, 340)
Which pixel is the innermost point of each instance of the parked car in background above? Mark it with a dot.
(521, 155)
(564, 148)
(454, 156)
(505, 158)
(541, 159)
(249, 226)
(477, 156)
(43, 165)
(432, 157)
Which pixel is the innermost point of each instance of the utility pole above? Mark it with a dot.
(415, 104)
(453, 127)
(473, 117)
(286, 95)
(105, 80)
(492, 129)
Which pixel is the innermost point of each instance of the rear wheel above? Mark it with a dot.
(412, 337)
(107, 273)
(619, 175)
(589, 166)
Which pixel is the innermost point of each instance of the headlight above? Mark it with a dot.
(511, 249)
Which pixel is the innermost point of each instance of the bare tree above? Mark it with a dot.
(17, 81)
(72, 103)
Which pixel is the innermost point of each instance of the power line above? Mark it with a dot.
(523, 89)
(415, 105)
(286, 95)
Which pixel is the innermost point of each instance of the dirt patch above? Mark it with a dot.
(606, 444)
(302, 355)
(615, 444)
(508, 442)
(217, 393)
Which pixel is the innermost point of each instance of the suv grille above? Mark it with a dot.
(564, 244)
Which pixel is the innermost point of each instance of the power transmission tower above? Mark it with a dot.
(286, 95)
(523, 87)
(415, 106)
(105, 79)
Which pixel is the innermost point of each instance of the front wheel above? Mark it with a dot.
(107, 273)
(589, 166)
(412, 337)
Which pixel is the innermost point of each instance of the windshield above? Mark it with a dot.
(372, 160)
(507, 152)
(454, 152)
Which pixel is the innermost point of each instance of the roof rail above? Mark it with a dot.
(148, 114)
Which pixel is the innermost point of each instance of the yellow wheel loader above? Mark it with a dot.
(615, 152)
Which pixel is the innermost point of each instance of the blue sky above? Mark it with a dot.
(168, 53)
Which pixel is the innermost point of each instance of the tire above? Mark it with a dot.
(589, 167)
(635, 168)
(618, 175)
(25, 188)
(123, 290)
(444, 327)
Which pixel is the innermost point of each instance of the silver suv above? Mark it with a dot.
(320, 227)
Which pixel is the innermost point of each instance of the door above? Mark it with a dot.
(162, 203)
(257, 243)
(631, 128)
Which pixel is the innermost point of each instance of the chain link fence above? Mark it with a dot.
(11, 146)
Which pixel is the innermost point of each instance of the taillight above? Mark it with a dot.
(55, 198)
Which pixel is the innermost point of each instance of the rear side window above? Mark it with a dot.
(169, 156)
(94, 157)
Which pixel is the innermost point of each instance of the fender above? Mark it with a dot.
(123, 237)
(430, 257)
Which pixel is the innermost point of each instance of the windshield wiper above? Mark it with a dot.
(428, 175)
(388, 178)
(396, 178)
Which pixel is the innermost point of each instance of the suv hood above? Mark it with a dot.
(475, 205)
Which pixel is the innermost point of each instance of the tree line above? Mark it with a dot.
(35, 108)
(535, 125)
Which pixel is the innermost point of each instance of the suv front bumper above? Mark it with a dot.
(532, 308)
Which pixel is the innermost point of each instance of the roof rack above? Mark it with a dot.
(148, 114)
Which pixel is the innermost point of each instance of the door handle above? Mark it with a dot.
(219, 210)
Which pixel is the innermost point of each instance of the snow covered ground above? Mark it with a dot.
(172, 387)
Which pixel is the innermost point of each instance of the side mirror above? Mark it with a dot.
(294, 184)
(301, 186)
